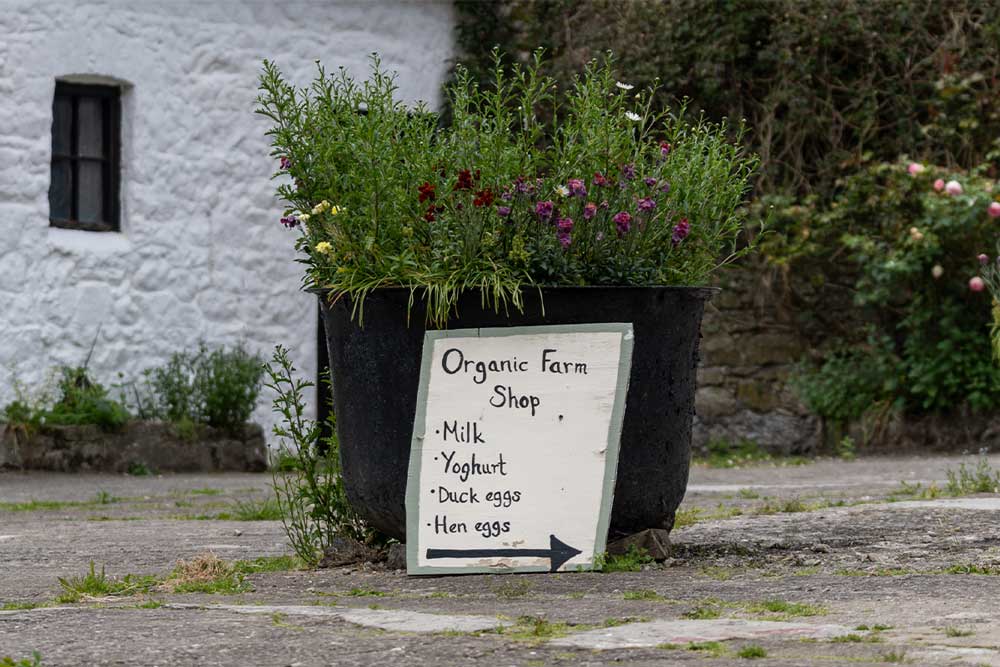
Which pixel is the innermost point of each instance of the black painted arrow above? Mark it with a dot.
(557, 553)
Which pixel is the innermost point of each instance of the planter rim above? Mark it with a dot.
(698, 290)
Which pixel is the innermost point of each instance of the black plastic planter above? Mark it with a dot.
(376, 370)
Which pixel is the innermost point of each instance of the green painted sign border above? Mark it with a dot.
(611, 458)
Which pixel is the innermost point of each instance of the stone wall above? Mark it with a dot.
(749, 348)
(201, 254)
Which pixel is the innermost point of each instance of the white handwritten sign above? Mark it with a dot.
(515, 448)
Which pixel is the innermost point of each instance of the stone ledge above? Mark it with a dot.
(156, 445)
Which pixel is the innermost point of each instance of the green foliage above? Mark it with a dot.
(95, 585)
(390, 197)
(823, 88)
(217, 387)
(981, 479)
(632, 560)
(34, 661)
(253, 509)
(724, 453)
(752, 652)
(912, 335)
(78, 400)
(310, 495)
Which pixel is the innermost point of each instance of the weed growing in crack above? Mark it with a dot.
(981, 479)
(957, 632)
(514, 588)
(783, 609)
(642, 594)
(631, 561)
(752, 652)
(34, 661)
(96, 585)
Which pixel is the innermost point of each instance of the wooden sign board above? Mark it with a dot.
(515, 448)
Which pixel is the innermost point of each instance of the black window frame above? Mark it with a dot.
(110, 96)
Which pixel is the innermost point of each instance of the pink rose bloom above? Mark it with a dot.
(915, 168)
(994, 209)
(939, 184)
(976, 284)
(953, 188)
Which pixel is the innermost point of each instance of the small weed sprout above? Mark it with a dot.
(752, 652)
(34, 661)
(632, 560)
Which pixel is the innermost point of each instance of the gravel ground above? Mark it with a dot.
(785, 561)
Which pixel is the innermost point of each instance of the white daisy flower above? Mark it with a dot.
(633, 116)
(624, 86)
(562, 191)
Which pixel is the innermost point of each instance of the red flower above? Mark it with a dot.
(426, 191)
(429, 214)
(464, 180)
(483, 198)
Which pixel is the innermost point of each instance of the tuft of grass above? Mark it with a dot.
(784, 609)
(36, 505)
(207, 491)
(893, 656)
(257, 510)
(642, 594)
(981, 479)
(669, 647)
(703, 613)
(268, 564)
(972, 568)
(105, 498)
(279, 620)
(854, 638)
(149, 604)
(206, 573)
(752, 652)
(366, 593)
(34, 661)
(534, 629)
(21, 606)
(631, 561)
(957, 632)
(97, 585)
(714, 649)
(749, 494)
(717, 573)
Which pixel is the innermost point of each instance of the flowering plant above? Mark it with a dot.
(525, 186)
(889, 261)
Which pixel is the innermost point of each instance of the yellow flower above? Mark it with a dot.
(336, 210)
(304, 217)
(323, 248)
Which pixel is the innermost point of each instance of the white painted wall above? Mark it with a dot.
(201, 254)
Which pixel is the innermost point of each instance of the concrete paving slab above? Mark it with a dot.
(975, 503)
(397, 620)
(655, 633)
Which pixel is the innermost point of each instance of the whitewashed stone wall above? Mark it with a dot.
(201, 254)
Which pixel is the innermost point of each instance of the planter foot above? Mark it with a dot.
(654, 541)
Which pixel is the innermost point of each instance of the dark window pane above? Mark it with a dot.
(91, 184)
(59, 190)
(90, 117)
(62, 119)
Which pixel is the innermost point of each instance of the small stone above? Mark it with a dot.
(237, 532)
(396, 558)
(820, 548)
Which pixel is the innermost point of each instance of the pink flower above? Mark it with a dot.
(994, 209)
(599, 179)
(915, 168)
(590, 210)
(976, 284)
(576, 187)
(953, 188)
(286, 163)
(564, 238)
(681, 230)
(664, 149)
(565, 224)
(646, 204)
(503, 211)
(939, 185)
(623, 223)
(983, 259)
(543, 209)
